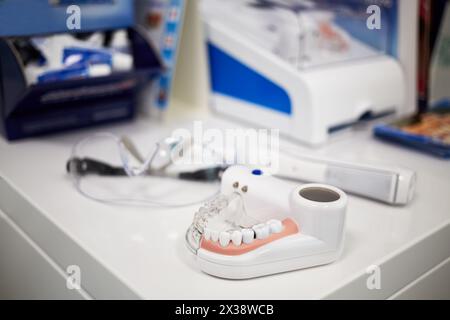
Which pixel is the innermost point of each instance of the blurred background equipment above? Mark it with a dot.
(310, 68)
(434, 53)
(55, 78)
(429, 129)
(163, 22)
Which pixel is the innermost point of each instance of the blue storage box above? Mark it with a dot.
(29, 110)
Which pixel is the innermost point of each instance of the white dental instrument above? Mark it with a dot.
(389, 184)
(261, 225)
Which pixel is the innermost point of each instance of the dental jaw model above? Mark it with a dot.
(260, 225)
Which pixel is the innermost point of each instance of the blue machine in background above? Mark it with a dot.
(310, 68)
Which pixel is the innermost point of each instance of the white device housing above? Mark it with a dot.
(321, 224)
(390, 184)
(322, 98)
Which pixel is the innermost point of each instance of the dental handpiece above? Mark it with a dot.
(392, 185)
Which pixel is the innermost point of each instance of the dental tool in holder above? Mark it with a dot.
(260, 225)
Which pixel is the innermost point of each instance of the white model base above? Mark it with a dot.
(287, 254)
(255, 271)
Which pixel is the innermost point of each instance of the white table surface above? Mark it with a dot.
(140, 252)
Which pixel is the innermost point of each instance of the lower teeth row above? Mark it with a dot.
(246, 236)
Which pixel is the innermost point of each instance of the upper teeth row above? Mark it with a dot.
(237, 237)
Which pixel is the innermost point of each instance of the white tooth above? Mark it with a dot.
(214, 235)
(247, 236)
(207, 234)
(275, 226)
(236, 237)
(224, 238)
(262, 231)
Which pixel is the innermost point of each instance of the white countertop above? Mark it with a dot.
(140, 252)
